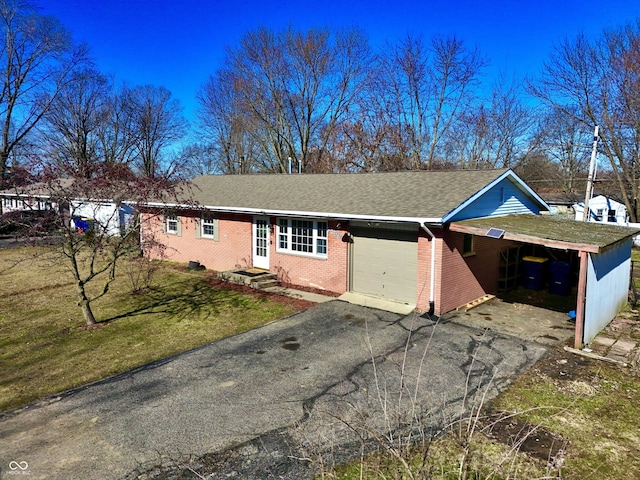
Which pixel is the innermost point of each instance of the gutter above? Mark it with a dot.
(297, 213)
(432, 304)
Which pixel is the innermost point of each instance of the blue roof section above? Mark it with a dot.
(506, 195)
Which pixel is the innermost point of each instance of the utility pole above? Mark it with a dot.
(592, 174)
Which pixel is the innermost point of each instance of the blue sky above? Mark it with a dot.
(178, 44)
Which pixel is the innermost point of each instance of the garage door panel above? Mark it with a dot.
(385, 264)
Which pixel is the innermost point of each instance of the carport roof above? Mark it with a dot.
(550, 231)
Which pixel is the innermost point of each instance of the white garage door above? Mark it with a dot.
(385, 263)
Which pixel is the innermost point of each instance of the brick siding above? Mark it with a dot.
(328, 274)
(464, 279)
(233, 249)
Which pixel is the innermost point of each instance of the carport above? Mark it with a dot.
(604, 253)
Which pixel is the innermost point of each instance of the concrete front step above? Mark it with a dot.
(254, 278)
(263, 284)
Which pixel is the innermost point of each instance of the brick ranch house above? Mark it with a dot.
(399, 236)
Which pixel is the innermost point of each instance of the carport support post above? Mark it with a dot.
(582, 296)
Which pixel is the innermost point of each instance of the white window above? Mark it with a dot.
(172, 224)
(306, 237)
(283, 234)
(208, 227)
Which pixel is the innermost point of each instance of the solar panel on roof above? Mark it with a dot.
(495, 233)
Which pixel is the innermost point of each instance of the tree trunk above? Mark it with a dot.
(88, 314)
(85, 304)
(4, 159)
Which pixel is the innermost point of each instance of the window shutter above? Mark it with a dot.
(198, 228)
(164, 225)
(179, 232)
(216, 233)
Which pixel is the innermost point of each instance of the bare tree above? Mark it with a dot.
(234, 145)
(199, 159)
(455, 73)
(468, 143)
(512, 122)
(422, 90)
(539, 171)
(404, 90)
(290, 91)
(72, 123)
(38, 58)
(596, 83)
(157, 122)
(117, 133)
(567, 142)
(98, 225)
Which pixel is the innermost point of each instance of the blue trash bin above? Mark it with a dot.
(559, 277)
(535, 269)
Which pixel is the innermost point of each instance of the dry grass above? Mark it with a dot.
(594, 405)
(46, 349)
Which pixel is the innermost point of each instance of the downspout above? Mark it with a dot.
(432, 239)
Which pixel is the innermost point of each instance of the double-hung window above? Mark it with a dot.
(172, 224)
(208, 227)
(305, 237)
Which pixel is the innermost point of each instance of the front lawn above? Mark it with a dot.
(45, 347)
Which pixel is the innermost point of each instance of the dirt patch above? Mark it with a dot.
(568, 372)
(524, 437)
(565, 366)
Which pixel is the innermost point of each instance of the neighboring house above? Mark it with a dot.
(432, 240)
(113, 218)
(604, 210)
(561, 203)
(81, 212)
(12, 201)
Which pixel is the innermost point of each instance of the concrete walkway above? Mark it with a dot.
(301, 294)
(304, 377)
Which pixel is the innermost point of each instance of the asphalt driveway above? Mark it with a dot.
(309, 376)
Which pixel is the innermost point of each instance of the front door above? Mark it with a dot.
(261, 242)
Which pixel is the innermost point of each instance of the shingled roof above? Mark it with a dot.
(407, 195)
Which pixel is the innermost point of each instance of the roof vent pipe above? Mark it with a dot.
(289, 165)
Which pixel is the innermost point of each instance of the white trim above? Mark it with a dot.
(314, 238)
(260, 261)
(302, 214)
(207, 221)
(172, 218)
